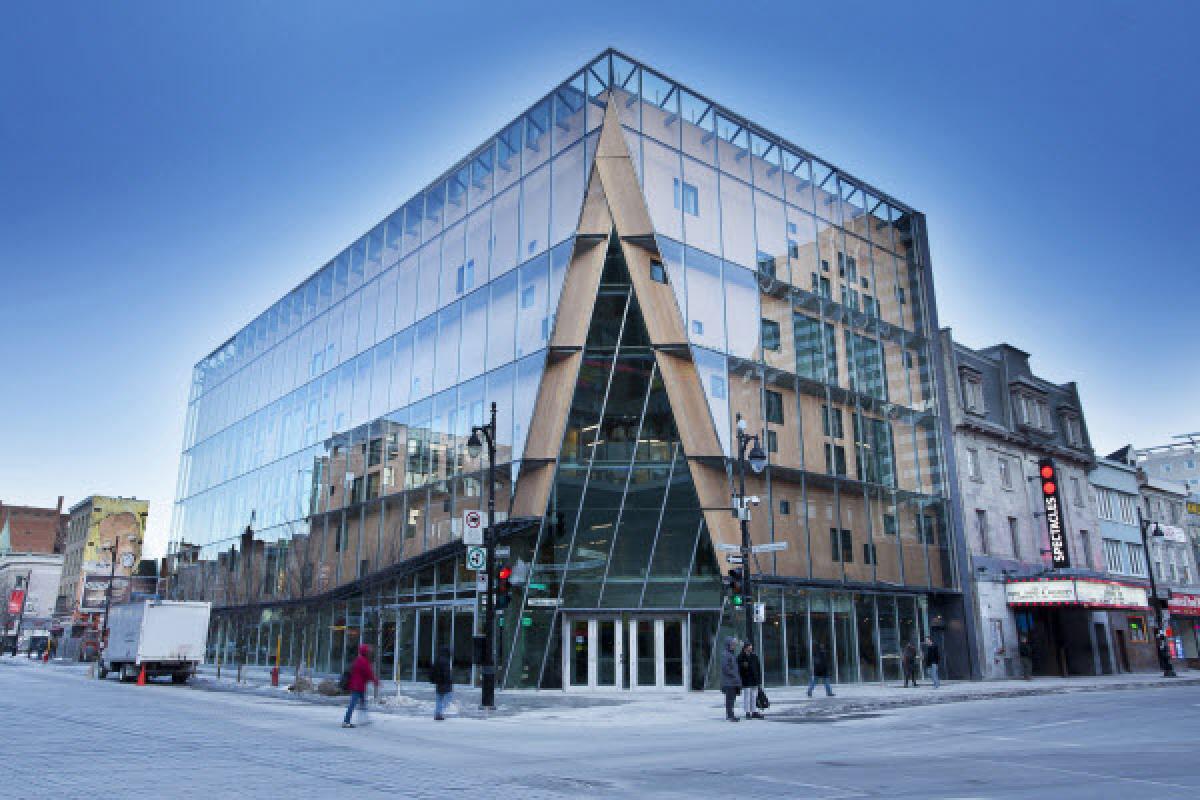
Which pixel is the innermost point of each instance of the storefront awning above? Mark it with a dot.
(1077, 592)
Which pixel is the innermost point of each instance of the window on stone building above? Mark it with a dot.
(1014, 535)
(1085, 541)
(971, 383)
(1114, 556)
(1005, 473)
(981, 525)
(973, 468)
(1137, 559)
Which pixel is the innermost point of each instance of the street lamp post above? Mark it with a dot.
(758, 461)
(1164, 657)
(474, 449)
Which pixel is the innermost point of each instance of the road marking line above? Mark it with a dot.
(1054, 724)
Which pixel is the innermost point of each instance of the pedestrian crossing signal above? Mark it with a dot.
(736, 584)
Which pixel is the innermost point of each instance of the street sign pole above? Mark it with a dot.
(488, 694)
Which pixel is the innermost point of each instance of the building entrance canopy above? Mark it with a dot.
(1088, 593)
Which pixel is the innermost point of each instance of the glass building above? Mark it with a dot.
(622, 270)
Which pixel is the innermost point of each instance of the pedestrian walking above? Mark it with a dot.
(442, 678)
(820, 669)
(1025, 652)
(361, 673)
(731, 678)
(909, 660)
(933, 659)
(750, 672)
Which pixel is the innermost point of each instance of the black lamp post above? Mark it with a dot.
(474, 449)
(758, 461)
(1160, 640)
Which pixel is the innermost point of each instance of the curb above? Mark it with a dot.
(935, 698)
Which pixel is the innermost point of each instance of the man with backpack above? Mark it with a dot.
(361, 673)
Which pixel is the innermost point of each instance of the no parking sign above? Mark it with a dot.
(473, 527)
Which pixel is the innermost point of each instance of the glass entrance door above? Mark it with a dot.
(593, 652)
(634, 652)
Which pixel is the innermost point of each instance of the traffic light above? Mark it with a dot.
(737, 587)
(503, 587)
(1049, 477)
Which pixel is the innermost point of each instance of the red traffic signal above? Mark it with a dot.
(1049, 476)
(503, 589)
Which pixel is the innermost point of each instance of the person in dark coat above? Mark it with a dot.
(750, 671)
(820, 669)
(361, 673)
(442, 678)
(909, 660)
(731, 678)
(1025, 652)
(933, 660)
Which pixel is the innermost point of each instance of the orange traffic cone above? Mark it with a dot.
(142, 676)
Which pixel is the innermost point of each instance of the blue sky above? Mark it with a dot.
(167, 170)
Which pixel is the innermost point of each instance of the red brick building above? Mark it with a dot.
(35, 530)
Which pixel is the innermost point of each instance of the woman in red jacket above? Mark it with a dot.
(361, 673)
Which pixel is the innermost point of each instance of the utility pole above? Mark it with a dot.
(474, 449)
(1164, 657)
(758, 461)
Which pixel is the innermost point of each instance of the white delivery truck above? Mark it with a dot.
(166, 637)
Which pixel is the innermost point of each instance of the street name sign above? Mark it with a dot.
(773, 547)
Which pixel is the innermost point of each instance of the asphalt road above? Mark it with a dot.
(67, 737)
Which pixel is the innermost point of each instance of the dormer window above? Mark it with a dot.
(1072, 428)
(1031, 411)
(971, 388)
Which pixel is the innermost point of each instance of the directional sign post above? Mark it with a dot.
(473, 528)
(773, 547)
(727, 548)
(733, 558)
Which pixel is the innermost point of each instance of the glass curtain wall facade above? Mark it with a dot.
(325, 442)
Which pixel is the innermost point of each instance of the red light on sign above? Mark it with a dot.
(505, 573)
(1047, 472)
(1048, 487)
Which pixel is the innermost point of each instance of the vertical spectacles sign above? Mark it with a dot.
(1052, 503)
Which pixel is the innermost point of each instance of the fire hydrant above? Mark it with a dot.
(274, 676)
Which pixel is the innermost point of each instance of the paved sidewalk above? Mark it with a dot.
(786, 702)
